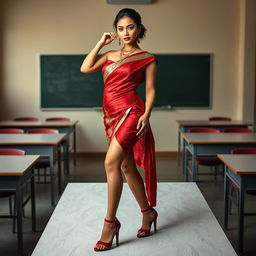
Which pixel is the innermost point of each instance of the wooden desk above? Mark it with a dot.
(14, 172)
(63, 127)
(186, 225)
(40, 144)
(212, 144)
(185, 125)
(240, 170)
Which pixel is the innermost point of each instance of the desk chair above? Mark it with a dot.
(207, 160)
(44, 130)
(26, 119)
(10, 194)
(43, 163)
(57, 119)
(11, 130)
(219, 118)
(234, 188)
(242, 130)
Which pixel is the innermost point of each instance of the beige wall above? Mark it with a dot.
(1, 59)
(246, 72)
(34, 27)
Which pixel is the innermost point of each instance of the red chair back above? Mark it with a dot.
(219, 118)
(204, 130)
(11, 130)
(26, 119)
(244, 151)
(52, 131)
(242, 130)
(12, 151)
(57, 119)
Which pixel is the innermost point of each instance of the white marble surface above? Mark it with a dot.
(186, 225)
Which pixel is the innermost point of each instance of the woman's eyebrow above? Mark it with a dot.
(126, 26)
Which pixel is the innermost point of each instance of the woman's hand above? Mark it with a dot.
(142, 126)
(107, 38)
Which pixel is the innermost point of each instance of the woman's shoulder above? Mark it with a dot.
(112, 54)
(149, 54)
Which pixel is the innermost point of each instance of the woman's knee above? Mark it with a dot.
(125, 168)
(111, 164)
(114, 157)
(128, 167)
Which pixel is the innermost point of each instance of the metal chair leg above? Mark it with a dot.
(215, 172)
(230, 199)
(10, 205)
(45, 175)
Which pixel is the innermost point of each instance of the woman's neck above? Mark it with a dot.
(129, 47)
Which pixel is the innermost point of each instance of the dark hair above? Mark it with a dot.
(131, 13)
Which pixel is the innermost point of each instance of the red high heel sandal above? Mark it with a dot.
(108, 246)
(146, 232)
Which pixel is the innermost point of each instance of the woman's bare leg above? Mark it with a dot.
(134, 181)
(136, 185)
(113, 160)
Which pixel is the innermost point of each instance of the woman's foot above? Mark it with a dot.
(110, 230)
(149, 216)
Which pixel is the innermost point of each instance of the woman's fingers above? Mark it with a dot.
(139, 132)
(142, 133)
(139, 124)
(143, 130)
(113, 34)
(139, 127)
(108, 37)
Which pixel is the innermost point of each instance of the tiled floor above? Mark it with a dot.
(92, 170)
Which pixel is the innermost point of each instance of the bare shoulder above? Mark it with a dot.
(113, 55)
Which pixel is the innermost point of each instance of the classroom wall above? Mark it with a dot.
(246, 71)
(33, 27)
(1, 54)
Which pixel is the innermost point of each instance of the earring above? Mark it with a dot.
(138, 40)
(119, 42)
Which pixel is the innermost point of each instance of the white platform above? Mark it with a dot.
(186, 225)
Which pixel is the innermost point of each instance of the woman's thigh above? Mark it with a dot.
(115, 154)
(126, 135)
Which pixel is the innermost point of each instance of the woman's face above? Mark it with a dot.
(127, 30)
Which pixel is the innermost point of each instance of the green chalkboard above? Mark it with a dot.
(183, 80)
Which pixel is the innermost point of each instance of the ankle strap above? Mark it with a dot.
(145, 210)
(110, 221)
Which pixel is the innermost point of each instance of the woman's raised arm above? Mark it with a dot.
(91, 63)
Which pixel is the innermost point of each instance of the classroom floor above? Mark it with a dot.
(91, 170)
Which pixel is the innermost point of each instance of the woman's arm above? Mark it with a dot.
(150, 74)
(91, 63)
(150, 77)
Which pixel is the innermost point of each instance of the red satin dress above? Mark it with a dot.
(122, 108)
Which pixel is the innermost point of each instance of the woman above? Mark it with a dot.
(126, 121)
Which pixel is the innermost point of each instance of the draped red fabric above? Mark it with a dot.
(122, 109)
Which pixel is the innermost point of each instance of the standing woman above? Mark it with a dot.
(126, 120)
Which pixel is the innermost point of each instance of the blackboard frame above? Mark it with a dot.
(166, 107)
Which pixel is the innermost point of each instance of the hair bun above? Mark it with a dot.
(142, 31)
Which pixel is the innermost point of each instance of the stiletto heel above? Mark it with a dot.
(106, 245)
(155, 225)
(146, 232)
(117, 238)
